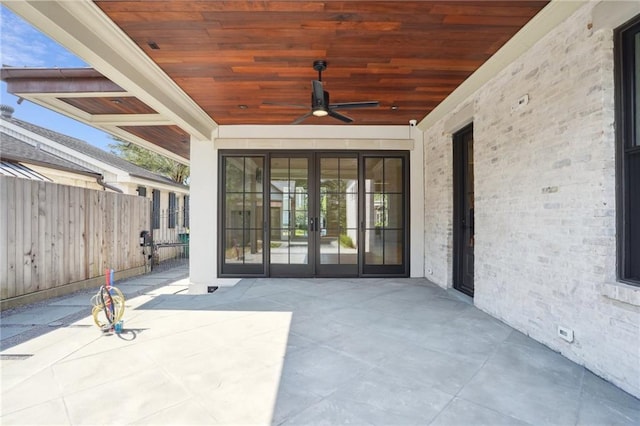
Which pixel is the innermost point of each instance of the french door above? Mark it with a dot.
(463, 211)
(329, 214)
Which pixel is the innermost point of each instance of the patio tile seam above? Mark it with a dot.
(178, 381)
(50, 365)
(6, 412)
(485, 407)
(462, 388)
(484, 364)
(371, 364)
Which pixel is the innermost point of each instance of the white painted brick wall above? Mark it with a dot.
(438, 207)
(545, 201)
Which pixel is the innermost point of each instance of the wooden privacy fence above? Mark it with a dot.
(52, 235)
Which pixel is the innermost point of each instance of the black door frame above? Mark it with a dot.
(264, 270)
(463, 215)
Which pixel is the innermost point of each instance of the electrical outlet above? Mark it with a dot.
(565, 333)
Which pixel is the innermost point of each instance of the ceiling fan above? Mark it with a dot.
(320, 106)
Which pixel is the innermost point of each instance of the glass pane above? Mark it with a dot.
(252, 249)
(329, 176)
(373, 174)
(374, 205)
(253, 171)
(329, 246)
(374, 247)
(392, 175)
(394, 210)
(279, 246)
(298, 174)
(351, 211)
(234, 167)
(279, 170)
(392, 247)
(233, 246)
(252, 210)
(299, 250)
(349, 174)
(234, 209)
(330, 212)
(299, 210)
(348, 252)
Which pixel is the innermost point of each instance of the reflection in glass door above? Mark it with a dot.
(243, 215)
(289, 223)
(336, 224)
(384, 215)
(332, 214)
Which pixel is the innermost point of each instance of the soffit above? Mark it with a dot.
(232, 57)
(407, 55)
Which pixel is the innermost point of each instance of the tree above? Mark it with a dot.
(150, 160)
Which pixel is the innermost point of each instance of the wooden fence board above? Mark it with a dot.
(4, 242)
(49, 225)
(100, 233)
(18, 285)
(26, 238)
(12, 230)
(72, 264)
(35, 235)
(52, 235)
(60, 247)
(78, 256)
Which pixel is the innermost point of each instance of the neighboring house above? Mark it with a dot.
(516, 184)
(33, 152)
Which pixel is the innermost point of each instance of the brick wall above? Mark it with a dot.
(545, 223)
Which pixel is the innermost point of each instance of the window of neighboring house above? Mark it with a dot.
(172, 210)
(628, 138)
(185, 211)
(142, 191)
(155, 212)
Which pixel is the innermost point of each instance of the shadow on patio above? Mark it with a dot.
(369, 351)
(304, 351)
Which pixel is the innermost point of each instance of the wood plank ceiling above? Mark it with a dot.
(232, 57)
(236, 59)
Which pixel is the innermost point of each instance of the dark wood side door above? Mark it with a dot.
(463, 211)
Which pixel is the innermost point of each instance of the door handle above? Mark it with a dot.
(311, 224)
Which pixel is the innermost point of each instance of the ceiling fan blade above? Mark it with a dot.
(340, 116)
(354, 105)
(301, 119)
(285, 105)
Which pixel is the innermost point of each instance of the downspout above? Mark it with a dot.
(102, 183)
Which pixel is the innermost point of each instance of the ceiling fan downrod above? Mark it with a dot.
(319, 65)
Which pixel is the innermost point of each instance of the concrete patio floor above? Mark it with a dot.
(291, 352)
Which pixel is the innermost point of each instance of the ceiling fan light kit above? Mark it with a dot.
(320, 105)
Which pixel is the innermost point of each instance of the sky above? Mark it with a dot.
(21, 45)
